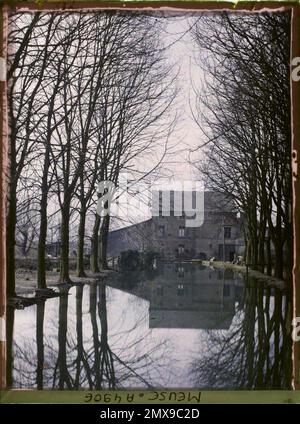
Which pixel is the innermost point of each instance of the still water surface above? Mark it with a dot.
(181, 326)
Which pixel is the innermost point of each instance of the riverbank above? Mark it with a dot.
(26, 280)
(242, 269)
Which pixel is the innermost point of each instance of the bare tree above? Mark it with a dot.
(25, 77)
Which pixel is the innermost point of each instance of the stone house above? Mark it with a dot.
(219, 236)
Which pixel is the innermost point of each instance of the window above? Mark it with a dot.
(181, 249)
(227, 232)
(161, 231)
(180, 271)
(226, 291)
(180, 290)
(181, 232)
(202, 256)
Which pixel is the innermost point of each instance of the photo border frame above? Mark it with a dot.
(145, 396)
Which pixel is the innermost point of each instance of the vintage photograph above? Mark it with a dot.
(149, 202)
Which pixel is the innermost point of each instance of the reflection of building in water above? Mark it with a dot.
(193, 298)
(183, 295)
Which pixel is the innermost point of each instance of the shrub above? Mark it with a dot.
(130, 260)
(148, 258)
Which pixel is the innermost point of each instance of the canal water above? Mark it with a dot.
(180, 326)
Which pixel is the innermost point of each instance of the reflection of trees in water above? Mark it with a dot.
(103, 367)
(40, 314)
(62, 378)
(87, 357)
(28, 366)
(256, 351)
(25, 365)
(125, 361)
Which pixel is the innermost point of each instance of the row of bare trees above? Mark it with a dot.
(89, 94)
(244, 115)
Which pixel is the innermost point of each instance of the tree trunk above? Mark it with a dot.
(64, 251)
(278, 259)
(41, 271)
(10, 244)
(103, 241)
(289, 253)
(80, 244)
(249, 251)
(261, 246)
(94, 245)
(41, 274)
(254, 253)
(261, 255)
(11, 208)
(269, 256)
(278, 236)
